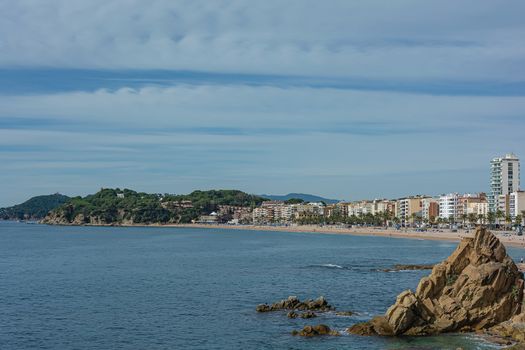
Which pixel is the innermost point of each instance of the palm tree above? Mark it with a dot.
(491, 218)
(463, 219)
(499, 215)
(481, 219)
(508, 221)
(518, 219)
(472, 218)
(432, 220)
(413, 217)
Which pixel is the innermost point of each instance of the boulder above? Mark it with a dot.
(292, 314)
(312, 331)
(475, 288)
(293, 303)
(307, 314)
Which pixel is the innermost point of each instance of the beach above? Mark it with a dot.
(446, 235)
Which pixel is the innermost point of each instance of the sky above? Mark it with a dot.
(345, 99)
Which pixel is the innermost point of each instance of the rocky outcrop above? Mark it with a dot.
(312, 331)
(475, 288)
(293, 303)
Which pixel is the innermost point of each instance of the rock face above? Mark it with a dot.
(475, 288)
(312, 331)
(293, 303)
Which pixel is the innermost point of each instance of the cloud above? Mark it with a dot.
(349, 99)
(374, 39)
(260, 138)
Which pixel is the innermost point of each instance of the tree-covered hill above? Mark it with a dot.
(33, 209)
(116, 206)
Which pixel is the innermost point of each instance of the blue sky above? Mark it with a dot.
(346, 99)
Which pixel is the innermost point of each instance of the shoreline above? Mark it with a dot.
(443, 235)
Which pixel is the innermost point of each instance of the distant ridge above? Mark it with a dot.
(305, 197)
(34, 208)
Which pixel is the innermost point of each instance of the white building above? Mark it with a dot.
(504, 178)
(516, 203)
(448, 206)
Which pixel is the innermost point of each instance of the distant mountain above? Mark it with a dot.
(35, 208)
(305, 197)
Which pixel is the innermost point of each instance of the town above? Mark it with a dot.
(502, 207)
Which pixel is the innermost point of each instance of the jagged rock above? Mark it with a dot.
(292, 314)
(307, 314)
(293, 303)
(312, 331)
(475, 288)
(401, 267)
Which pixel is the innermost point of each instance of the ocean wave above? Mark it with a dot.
(332, 266)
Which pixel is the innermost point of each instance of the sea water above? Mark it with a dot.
(181, 288)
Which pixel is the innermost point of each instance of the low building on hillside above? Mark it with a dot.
(208, 219)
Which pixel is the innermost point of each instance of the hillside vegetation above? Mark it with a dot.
(115, 206)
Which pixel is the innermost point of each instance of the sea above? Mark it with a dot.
(64, 287)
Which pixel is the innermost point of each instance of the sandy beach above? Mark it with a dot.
(447, 235)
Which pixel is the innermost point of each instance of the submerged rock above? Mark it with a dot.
(293, 303)
(307, 314)
(401, 267)
(344, 313)
(312, 331)
(475, 288)
(292, 314)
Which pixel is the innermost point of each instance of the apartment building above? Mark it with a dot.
(504, 179)
(407, 208)
(448, 206)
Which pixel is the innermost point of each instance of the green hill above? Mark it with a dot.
(33, 209)
(115, 206)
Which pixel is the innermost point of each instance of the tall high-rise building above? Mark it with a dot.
(504, 178)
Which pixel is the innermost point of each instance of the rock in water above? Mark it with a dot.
(475, 288)
(312, 331)
(293, 303)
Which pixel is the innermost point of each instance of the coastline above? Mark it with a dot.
(442, 235)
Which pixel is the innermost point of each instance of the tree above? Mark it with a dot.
(294, 201)
(464, 217)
